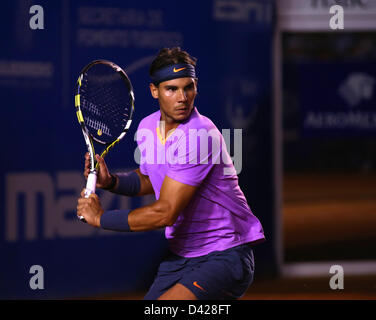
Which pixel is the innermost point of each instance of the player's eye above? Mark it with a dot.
(189, 87)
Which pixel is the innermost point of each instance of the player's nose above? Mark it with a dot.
(182, 95)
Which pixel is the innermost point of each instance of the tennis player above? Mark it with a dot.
(208, 224)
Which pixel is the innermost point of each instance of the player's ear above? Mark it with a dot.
(154, 90)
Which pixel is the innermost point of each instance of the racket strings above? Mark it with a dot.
(106, 102)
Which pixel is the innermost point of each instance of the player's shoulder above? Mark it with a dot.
(199, 121)
(150, 120)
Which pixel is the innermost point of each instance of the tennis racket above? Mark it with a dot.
(104, 104)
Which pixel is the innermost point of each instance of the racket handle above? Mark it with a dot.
(90, 188)
(90, 184)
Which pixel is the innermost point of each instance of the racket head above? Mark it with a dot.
(104, 103)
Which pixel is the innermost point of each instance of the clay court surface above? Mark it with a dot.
(329, 217)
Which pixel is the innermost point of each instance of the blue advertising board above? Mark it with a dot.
(337, 99)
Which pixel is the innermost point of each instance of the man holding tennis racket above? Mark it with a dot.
(208, 223)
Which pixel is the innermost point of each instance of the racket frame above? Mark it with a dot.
(89, 138)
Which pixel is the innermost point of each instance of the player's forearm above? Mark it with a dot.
(157, 215)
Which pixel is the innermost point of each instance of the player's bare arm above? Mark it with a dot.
(161, 213)
(165, 210)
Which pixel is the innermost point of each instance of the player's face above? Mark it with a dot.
(176, 98)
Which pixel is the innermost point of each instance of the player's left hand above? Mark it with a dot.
(90, 208)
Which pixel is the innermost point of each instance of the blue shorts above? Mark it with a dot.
(218, 275)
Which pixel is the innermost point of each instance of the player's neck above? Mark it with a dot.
(166, 123)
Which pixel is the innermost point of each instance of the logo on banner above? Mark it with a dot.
(352, 113)
(242, 11)
(356, 88)
(240, 101)
(39, 206)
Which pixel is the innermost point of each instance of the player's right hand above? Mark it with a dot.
(103, 175)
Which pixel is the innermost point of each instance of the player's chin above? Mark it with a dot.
(181, 118)
(182, 114)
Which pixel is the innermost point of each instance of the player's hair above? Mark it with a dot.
(169, 56)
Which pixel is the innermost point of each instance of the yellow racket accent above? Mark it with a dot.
(77, 100)
(79, 116)
(109, 147)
